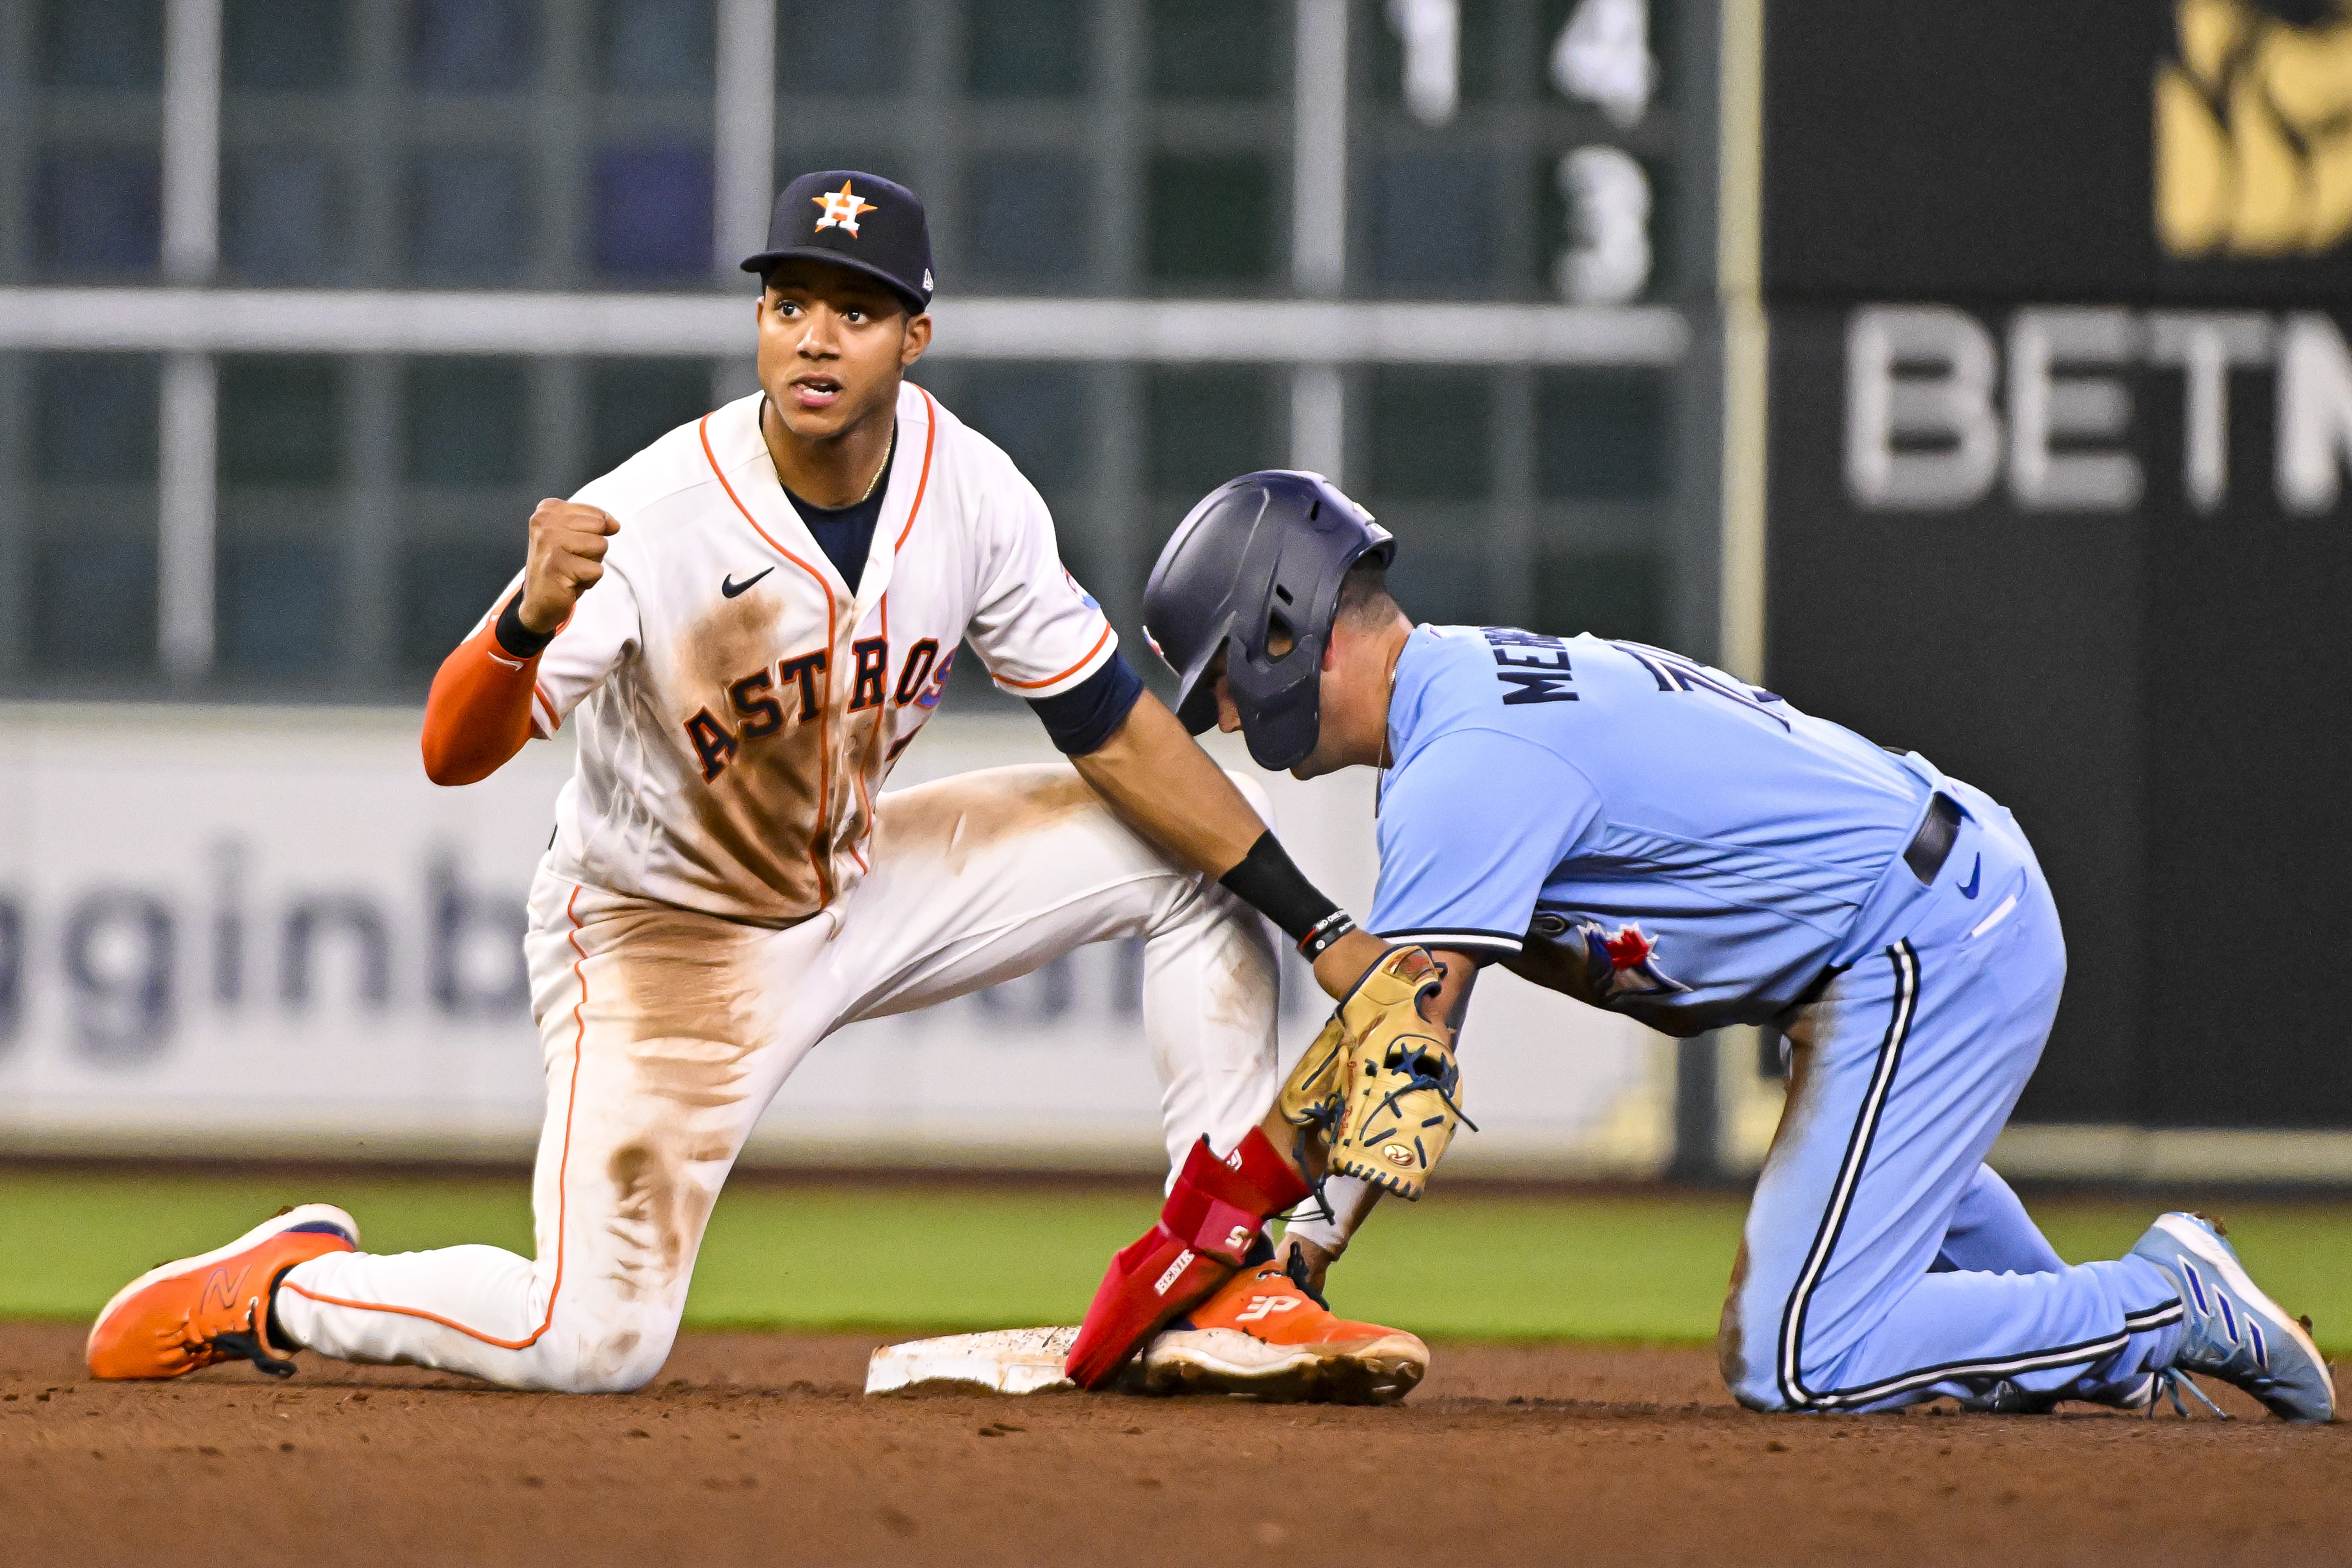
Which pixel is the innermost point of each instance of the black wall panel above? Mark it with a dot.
(2007, 149)
(2004, 649)
(2154, 676)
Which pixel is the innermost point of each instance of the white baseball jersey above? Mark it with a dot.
(739, 707)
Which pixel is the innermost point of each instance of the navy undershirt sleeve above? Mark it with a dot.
(1083, 718)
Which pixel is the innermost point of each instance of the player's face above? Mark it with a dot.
(832, 346)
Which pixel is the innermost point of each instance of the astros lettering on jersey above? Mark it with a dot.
(739, 707)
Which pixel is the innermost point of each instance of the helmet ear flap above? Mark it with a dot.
(1196, 707)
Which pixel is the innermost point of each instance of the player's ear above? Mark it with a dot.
(1229, 713)
(913, 339)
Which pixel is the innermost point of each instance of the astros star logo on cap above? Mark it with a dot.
(842, 208)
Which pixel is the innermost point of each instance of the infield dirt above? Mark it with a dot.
(761, 1448)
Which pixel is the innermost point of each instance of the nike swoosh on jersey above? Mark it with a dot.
(728, 587)
(1976, 874)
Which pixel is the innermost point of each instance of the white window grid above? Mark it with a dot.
(1316, 339)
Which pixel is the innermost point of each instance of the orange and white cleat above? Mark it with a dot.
(196, 1312)
(1265, 1336)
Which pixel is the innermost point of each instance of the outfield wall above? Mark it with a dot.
(260, 930)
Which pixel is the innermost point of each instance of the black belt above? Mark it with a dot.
(1933, 843)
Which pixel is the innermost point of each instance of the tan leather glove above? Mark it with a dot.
(1378, 1081)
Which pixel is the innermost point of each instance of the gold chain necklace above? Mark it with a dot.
(766, 403)
(883, 468)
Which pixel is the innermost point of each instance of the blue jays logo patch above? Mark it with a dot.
(1628, 957)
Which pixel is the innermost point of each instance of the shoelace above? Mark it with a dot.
(1296, 1270)
(2172, 1380)
(248, 1345)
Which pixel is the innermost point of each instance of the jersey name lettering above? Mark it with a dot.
(918, 667)
(806, 669)
(1532, 665)
(757, 701)
(1678, 672)
(872, 670)
(805, 720)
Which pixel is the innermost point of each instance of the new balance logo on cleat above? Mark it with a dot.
(199, 1312)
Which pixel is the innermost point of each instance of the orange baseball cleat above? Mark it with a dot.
(200, 1310)
(1265, 1336)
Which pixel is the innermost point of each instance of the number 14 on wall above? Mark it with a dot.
(1601, 57)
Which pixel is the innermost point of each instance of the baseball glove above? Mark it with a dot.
(1378, 1083)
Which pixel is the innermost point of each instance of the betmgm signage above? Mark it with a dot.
(1942, 408)
(2058, 437)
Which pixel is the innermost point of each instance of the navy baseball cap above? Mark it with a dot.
(856, 220)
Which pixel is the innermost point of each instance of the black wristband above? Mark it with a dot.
(1327, 930)
(517, 639)
(1267, 881)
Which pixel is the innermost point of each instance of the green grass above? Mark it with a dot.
(1460, 1266)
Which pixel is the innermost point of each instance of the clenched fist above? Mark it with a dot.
(568, 540)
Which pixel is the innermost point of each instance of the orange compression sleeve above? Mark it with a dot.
(479, 714)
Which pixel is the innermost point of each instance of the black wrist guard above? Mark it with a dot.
(1269, 883)
(517, 639)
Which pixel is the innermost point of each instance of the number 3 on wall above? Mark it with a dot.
(1609, 211)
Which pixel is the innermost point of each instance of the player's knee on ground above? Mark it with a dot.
(1744, 1349)
(620, 1355)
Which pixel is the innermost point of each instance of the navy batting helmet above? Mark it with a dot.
(1262, 554)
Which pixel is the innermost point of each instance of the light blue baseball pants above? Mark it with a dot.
(1883, 1263)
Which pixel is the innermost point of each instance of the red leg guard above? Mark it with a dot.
(1212, 1217)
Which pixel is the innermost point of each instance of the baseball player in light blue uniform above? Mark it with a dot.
(1659, 839)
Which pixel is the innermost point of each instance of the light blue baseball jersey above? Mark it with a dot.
(1730, 846)
(1718, 851)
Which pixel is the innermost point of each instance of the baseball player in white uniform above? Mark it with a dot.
(747, 622)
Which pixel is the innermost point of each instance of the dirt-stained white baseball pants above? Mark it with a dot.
(666, 1033)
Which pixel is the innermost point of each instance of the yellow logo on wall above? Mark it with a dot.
(2253, 133)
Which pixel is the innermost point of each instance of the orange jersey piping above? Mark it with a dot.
(1032, 685)
(562, 1173)
(821, 865)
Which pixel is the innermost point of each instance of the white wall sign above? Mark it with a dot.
(262, 932)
